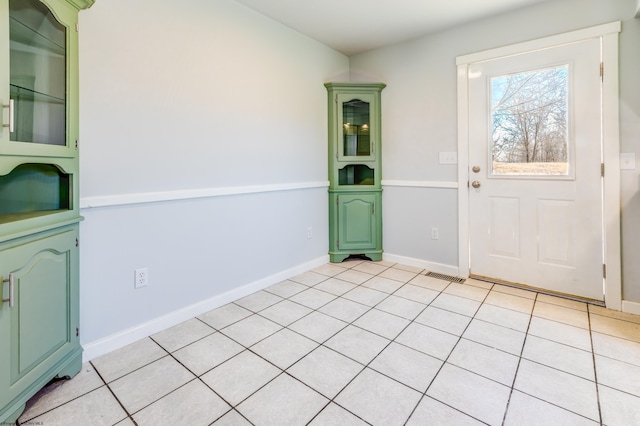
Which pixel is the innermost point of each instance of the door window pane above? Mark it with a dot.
(37, 60)
(529, 114)
(355, 123)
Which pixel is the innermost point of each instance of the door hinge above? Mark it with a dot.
(336, 155)
(337, 200)
(602, 169)
(76, 27)
(604, 270)
(77, 332)
(77, 242)
(76, 143)
(338, 243)
(601, 70)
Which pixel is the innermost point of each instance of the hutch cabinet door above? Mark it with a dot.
(356, 127)
(38, 84)
(357, 221)
(40, 329)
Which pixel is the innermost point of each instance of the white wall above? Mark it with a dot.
(183, 106)
(419, 119)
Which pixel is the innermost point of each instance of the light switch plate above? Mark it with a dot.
(448, 158)
(627, 161)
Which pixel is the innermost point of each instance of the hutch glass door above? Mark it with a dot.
(37, 58)
(354, 115)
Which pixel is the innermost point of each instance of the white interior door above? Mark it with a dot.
(535, 155)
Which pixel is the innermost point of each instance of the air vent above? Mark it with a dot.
(445, 277)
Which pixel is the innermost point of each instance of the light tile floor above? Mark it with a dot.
(367, 343)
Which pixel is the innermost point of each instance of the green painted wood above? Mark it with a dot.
(357, 228)
(65, 158)
(81, 4)
(355, 170)
(34, 187)
(38, 236)
(40, 328)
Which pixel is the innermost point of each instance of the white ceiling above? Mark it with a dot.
(355, 26)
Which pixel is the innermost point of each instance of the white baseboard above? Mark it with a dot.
(631, 307)
(118, 340)
(419, 263)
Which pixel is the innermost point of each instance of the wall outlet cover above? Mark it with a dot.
(141, 278)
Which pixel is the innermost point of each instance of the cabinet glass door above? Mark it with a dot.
(37, 58)
(355, 127)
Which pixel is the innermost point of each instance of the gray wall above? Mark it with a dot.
(203, 157)
(419, 110)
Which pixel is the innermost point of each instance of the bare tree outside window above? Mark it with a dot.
(529, 119)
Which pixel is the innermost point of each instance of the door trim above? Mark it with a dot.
(608, 35)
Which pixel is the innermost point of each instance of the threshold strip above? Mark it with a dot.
(539, 290)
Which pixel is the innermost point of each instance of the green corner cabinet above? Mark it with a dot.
(39, 204)
(355, 172)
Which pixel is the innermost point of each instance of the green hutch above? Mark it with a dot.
(39, 214)
(355, 172)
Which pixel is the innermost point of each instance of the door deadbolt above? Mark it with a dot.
(476, 169)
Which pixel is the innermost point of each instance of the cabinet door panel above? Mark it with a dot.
(356, 221)
(37, 331)
(40, 296)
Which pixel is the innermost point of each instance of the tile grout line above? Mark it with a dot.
(352, 323)
(595, 368)
(332, 399)
(198, 377)
(370, 308)
(282, 371)
(129, 415)
(444, 362)
(515, 375)
(521, 357)
(104, 383)
(424, 394)
(365, 366)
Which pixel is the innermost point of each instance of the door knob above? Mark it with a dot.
(476, 169)
(475, 184)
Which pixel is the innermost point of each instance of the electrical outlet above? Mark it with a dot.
(435, 234)
(309, 233)
(141, 278)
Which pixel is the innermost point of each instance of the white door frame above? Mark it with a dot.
(608, 34)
